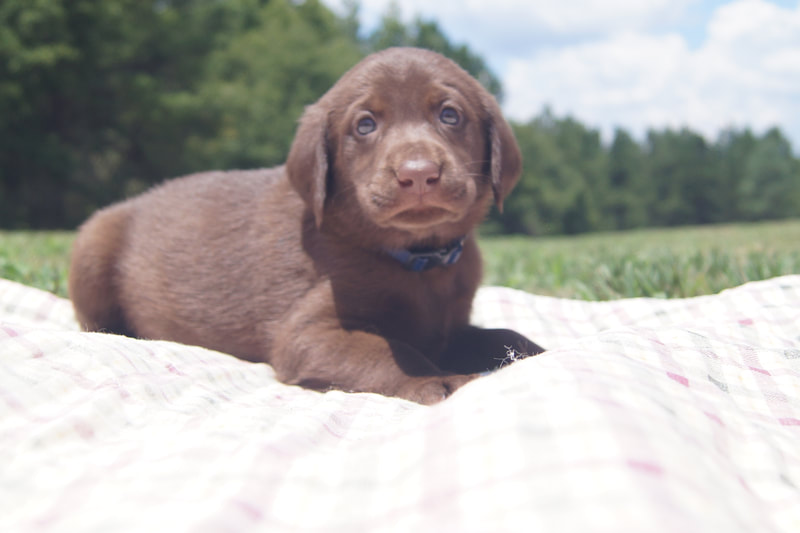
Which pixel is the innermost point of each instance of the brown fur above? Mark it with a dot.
(288, 265)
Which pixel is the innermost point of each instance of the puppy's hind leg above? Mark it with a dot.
(93, 276)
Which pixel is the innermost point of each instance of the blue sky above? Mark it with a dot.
(704, 64)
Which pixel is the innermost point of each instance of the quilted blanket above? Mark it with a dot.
(644, 415)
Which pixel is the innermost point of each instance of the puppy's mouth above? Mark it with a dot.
(408, 210)
(421, 216)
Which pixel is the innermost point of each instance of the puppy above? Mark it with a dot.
(351, 267)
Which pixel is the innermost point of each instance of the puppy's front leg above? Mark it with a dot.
(313, 350)
(472, 349)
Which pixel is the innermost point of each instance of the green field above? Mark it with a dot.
(668, 263)
(664, 263)
(40, 259)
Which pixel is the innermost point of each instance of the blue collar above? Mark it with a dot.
(421, 259)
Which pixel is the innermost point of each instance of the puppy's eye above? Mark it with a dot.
(450, 116)
(366, 126)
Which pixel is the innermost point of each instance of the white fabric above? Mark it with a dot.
(643, 416)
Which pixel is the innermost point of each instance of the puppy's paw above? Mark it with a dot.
(434, 389)
(516, 346)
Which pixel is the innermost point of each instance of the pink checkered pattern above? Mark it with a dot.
(643, 416)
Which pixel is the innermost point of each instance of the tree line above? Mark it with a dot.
(100, 99)
(572, 182)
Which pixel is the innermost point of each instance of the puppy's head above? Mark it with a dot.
(406, 148)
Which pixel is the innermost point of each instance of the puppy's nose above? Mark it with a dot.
(418, 174)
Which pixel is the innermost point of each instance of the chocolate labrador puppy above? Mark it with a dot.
(351, 267)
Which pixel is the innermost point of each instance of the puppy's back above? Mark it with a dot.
(190, 253)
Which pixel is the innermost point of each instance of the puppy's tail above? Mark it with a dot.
(93, 276)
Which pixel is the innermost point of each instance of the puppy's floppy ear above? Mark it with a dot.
(307, 165)
(505, 160)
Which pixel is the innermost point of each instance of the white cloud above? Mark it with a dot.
(747, 72)
(576, 17)
(523, 17)
(625, 70)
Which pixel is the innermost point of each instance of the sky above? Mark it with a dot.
(636, 64)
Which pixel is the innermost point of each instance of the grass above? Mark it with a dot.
(36, 258)
(666, 263)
